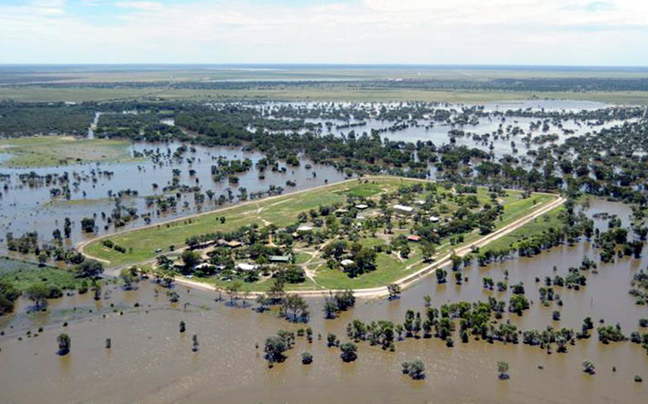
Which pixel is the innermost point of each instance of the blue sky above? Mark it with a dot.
(520, 32)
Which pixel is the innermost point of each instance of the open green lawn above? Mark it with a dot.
(285, 209)
(537, 226)
(44, 151)
(23, 274)
(388, 269)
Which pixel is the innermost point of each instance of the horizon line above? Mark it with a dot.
(332, 65)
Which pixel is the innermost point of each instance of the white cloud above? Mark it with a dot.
(140, 5)
(364, 31)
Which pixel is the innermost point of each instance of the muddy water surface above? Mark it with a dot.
(151, 362)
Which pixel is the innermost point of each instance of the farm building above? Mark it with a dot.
(404, 208)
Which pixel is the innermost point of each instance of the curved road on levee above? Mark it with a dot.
(380, 291)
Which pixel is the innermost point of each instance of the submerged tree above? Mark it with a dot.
(502, 369)
(274, 349)
(195, 343)
(307, 358)
(38, 293)
(64, 344)
(394, 291)
(588, 367)
(415, 369)
(295, 308)
(348, 350)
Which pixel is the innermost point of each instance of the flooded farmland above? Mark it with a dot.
(31, 198)
(151, 362)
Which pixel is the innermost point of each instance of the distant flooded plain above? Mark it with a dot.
(25, 207)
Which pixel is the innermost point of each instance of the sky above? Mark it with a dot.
(485, 32)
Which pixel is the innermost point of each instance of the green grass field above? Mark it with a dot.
(537, 226)
(23, 274)
(46, 151)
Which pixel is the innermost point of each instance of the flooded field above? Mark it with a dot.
(29, 202)
(151, 362)
(26, 208)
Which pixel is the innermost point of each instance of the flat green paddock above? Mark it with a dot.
(309, 93)
(47, 151)
(23, 274)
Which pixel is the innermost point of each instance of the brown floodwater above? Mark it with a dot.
(151, 362)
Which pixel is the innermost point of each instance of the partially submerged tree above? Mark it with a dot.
(348, 352)
(415, 369)
(274, 349)
(38, 293)
(588, 367)
(502, 369)
(394, 291)
(64, 344)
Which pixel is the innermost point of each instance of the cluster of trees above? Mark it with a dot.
(527, 85)
(276, 346)
(340, 301)
(415, 369)
(39, 289)
(26, 119)
(8, 295)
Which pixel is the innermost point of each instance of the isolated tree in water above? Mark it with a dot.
(588, 367)
(415, 369)
(64, 344)
(307, 358)
(394, 291)
(349, 350)
(274, 349)
(502, 368)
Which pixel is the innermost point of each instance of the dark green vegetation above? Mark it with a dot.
(415, 369)
(20, 119)
(64, 344)
(39, 283)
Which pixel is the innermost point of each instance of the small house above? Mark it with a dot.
(230, 244)
(434, 219)
(279, 259)
(404, 208)
(346, 263)
(304, 228)
(414, 238)
(362, 206)
(241, 266)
